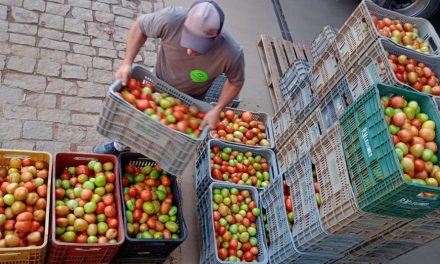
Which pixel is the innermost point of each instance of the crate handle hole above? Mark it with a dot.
(87, 249)
(10, 156)
(428, 196)
(84, 158)
(432, 44)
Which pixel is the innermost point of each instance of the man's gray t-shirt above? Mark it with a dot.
(192, 75)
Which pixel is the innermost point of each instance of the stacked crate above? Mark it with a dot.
(343, 72)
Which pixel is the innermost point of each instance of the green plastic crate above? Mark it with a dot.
(374, 168)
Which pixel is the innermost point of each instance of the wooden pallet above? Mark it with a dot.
(276, 56)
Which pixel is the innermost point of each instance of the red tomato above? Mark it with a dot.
(137, 214)
(110, 211)
(216, 174)
(112, 222)
(138, 204)
(165, 180)
(100, 208)
(146, 195)
(132, 192)
(132, 84)
(125, 181)
(82, 169)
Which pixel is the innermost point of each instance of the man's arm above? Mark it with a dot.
(135, 40)
(229, 92)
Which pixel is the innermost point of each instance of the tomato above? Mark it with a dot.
(216, 174)
(165, 180)
(229, 114)
(132, 84)
(100, 208)
(223, 253)
(110, 176)
(82, 169)
(132, 192)
(112, 222)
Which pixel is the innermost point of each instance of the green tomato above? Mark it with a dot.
(102, 228)
(59, 230)
(427, 154)
(72, 204)
(389, 111)
(244, 237)
(100, 191)
(161, 195)
(252, 231)
(130, 205)
(78, 212)
(422, 117)
(148, 207)
(172, 226)
(394, 129)
(256, 212)
(154, 175)
(89, 185)
(146, 170)
(164, 218)
(129, 216)
(97, 167)
(139, 178)
(410, 112)
(173, 211)
(65, 184)
(399, 153)
(90, 207)
(100, 180)
(69, 236)
(92, 240)
(91, 164)
(402, 146)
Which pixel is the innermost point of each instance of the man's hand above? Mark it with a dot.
(123, 73)
(212, 118)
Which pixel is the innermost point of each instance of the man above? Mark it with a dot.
(194, 51)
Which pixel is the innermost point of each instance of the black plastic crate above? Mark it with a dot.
(150, 249)
(214, 92)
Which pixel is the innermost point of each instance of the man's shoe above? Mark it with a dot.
(107, 148)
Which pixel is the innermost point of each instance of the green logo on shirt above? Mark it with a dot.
(198, 76)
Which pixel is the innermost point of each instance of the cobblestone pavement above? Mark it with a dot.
(57, 58)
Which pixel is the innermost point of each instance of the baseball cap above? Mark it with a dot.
(203, 23)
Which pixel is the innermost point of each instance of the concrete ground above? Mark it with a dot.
(57, 58)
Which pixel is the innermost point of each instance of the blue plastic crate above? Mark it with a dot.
(335, 103)
(203, 168)
(293, 76)
(213, 93)
(309, 235)
(204, 210)
(282, 247)
(325, 38)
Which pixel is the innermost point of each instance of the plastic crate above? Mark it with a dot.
(265, 118)
(299, 141)
(375, 171)
(213, 93)
(334, 104)
(294, 111)
(203, 167)
(31, 254)
(286, 155)
(294, 76)
(123, 122)
(309, 235)
(340, 213)
(379, 250)
(75, 253)
(325, 38)
(150, 249)
(137, 261)
(282, 248)
(204, 211)
(375, 66)
(327, 71)
(354, 37)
